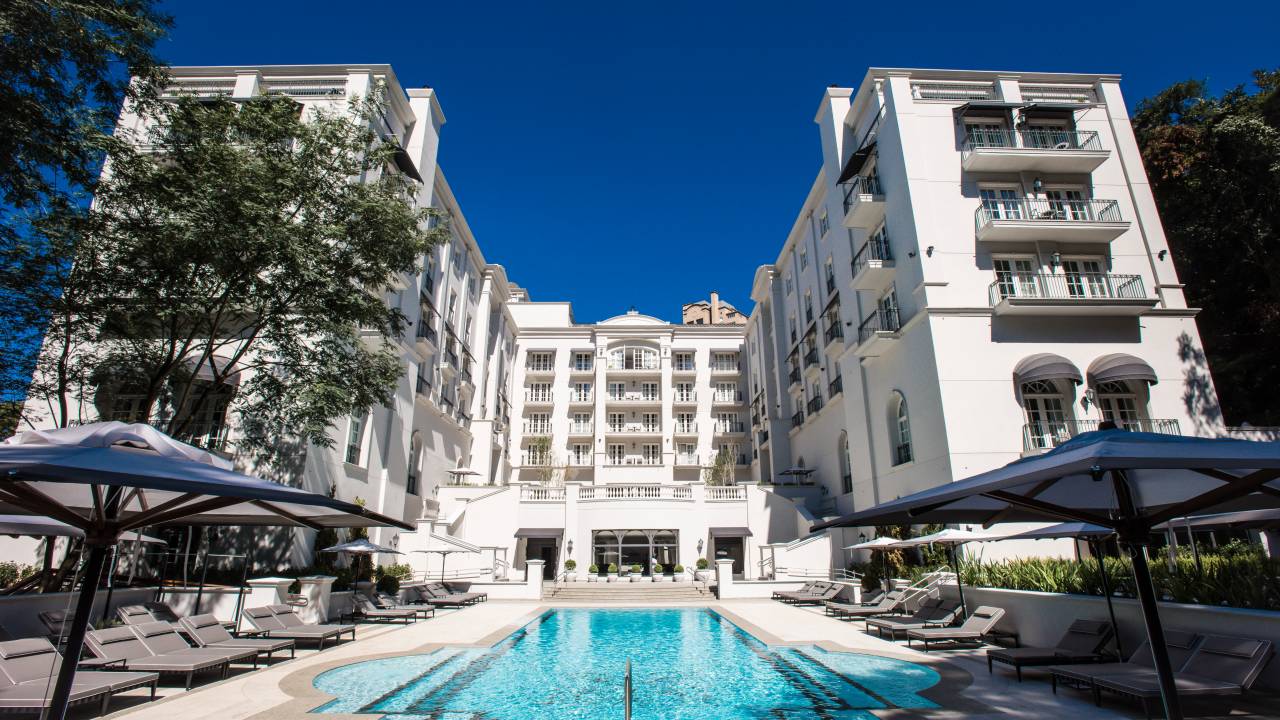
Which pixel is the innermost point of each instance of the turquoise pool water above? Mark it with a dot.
(687, 664)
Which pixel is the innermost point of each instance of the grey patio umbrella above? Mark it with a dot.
(881, 544)
(1093, 535)
(951, 537)
(361, 546)
(1127, 481)
(109, 478)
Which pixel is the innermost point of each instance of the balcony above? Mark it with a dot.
(537, 398)
(1094, 294)
(425, 335)
(686, 429)
(814, 405)
(1039, 219)
(798, 419)
(634, 398)
(534, 429)
(1043, 435)
(873, 265)
(762, 437)
(422, 388)
(878, 332)
(730, 428)
(581, 398)
(727, 398)
(811, 357)
(581, 368)
(685, 398)
(687, 461)
(634, 429)
(596, 493)
(540, 368)
(581, 429)
(535, 493)
(793, 377)
(1032, 149)
(835, 387)
(834, 331)
(466, 370)
(723, 368)
(863, 202)
(683, 368)
(632, 366)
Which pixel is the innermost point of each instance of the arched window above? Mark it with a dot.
(633, 358)
(1119, 403)
(1046, 410)
(900, 429)
(846, 472)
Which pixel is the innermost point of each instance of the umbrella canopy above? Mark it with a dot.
(1243, 520)
(360, 547)
(37, 526)
(797, 471)
(1062, 530)
(950, 536)
(879, 543)
(109, 478)
(1127, 481)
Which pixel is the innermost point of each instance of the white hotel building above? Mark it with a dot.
(978, 272)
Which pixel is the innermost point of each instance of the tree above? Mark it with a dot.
(64, 71)
(548, 468)
(1214, 166)
(720, 471)
(235, 238)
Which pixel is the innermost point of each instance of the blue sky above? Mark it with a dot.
(618, 154)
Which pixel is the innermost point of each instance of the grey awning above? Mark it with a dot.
(539, 532)
(1044, 108)
(1119, 367)
(730, 532)
(405, 164)
(1045, 366)
(856, 161)
(986, 108)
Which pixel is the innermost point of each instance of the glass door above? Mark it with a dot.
(1067, 204)
(1016, 277)
(1046, 414)
(1085, 278)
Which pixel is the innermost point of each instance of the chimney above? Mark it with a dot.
(715, 307)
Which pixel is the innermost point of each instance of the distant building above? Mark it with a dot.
(712, 312)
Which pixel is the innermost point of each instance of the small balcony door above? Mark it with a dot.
(1002, 203)
(1046, 414)
(1086, 278)
(986, 134)
(1068, 204)
(1119, 404)
(1016, 277)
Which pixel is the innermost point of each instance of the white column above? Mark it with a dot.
(316, 589)
(724, 579)
(533, 578)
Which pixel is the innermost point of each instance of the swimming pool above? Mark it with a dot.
(687, 664)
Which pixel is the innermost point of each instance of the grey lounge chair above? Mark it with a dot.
(386, 602)
(120, 644)
(289, 618)
(442, 590)
(28, 669)
(161, 639)
(1219, 666)
(57, 622)
(973, 629)
(933, 612)
(806, 589)
(268, 623)
(890, 603)
(1081, 643)
(365, 608)
(207, 631)
(426, 598)
(1179, 643)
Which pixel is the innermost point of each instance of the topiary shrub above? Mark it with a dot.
(613, 568)
(636, 569)
(570, 565)
(678, 569)
(702, 563)
(595, 569)
(657, 568)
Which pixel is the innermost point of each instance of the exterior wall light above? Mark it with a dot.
(1055, 260)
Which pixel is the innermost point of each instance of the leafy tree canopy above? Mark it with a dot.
(1214, 165)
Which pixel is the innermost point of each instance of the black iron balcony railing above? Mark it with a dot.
(425, 331)
(423, 386)
(798, 419)
(811, 357)
(1066, 286)
(835, 387)
(831, 282)
(902, 453)
(834, 331)
(1046, 210)
(794, 375)
(878, 321)
(763, 436)
(1045, 434)
(814, 405)
(428, 288)
(876, 248)
(860, 185)
(1031, 138)
(452, 357)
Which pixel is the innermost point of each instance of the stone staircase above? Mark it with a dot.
(641, 593)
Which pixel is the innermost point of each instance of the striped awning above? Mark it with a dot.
(1045, 366)
(1119, 367)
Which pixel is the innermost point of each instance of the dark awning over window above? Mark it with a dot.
(986, 108)
(1118, 367)
(1052, 109)
(1046, 366)
(539, 532)
(856, 161)
(730, 532)
(405, 163)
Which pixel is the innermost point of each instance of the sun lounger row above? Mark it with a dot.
(280, 623)
(1204, 666)
(812, 593)
(28, 668)
(933, 612)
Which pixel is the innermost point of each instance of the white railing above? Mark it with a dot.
(578, 397)
(1058, 93)
(686, 428)
(726, 493)
(687, 460)
(635, 492)
(634, 397)
(636, 428)
(580, 429)
(686, 397)
(537, 397)
(952, 91)
(534, 493)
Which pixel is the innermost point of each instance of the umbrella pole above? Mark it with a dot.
(1096, 549)
(46, 579)
(1155, 633)
(955, 566)
(111, 581)
(204, 572)
(96, 561)
(1195, 549)
(244, 578)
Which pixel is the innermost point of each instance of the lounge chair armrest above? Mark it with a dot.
(95, 662)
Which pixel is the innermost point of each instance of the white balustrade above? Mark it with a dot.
(534, 493)
(726, 493)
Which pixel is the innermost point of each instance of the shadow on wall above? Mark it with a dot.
(1093, 330)
(1197, 388)
(782, 519)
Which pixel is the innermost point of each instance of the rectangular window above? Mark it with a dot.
(582, 392)
(582, 361)
(685, 392)
(804, 259)
(652, 454)
(355, 439)
(540, 361)
(580, 453)
(687, 454)
(823, 224)
(582, 422)
(724, 362)
(728, 422)
(539, 424)
(617, 390)
(726, 392)
(684, 362)
(649, 391)
(617, 454)
(617, 421)
(787, 283)
(539, 392)
(651, 422)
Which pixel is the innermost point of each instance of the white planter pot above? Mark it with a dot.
(659, 578)
(701, 575)
(613, 577)
(637, 578)
(593, 578)
(571, 577)
(678, 577)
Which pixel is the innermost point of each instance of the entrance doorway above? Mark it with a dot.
(626, 548)
(546, 550)
(730, 548)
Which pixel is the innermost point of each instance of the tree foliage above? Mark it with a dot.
(1214, 166)
(720, 471)
(244, 238)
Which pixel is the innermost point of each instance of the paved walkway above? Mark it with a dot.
(285, 690)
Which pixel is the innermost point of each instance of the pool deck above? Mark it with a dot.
(285, 689)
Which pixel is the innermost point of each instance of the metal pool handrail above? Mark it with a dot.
(626, 692)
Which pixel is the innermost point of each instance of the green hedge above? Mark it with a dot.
(1235, 575)
(12, 573)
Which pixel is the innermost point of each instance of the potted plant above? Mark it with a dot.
(571, 570)
(701, 573)
(657, 573)
(678, 573)
(636, 571)
(613, 572)
(593, 573)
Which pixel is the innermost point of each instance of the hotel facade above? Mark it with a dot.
(977, 273)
